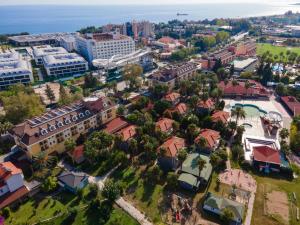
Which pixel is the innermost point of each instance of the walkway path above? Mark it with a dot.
(228, 165)
(126, 206)
(250, 209)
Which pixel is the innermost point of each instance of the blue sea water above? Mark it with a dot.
(59, 18)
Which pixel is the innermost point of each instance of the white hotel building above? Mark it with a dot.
(104, 45)
(14, 69)
(44, 50)
(64, 65)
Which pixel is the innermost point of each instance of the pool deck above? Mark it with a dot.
(257, 127)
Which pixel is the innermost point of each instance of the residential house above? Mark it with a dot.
(173, 98)
(49, 131)
(170, 148)
(205, 107)
(190, 178)
(216, 205)
(180, 109)
(212, 139)
(115, 125)
(12, 187)
(127, 133)
(165, 125)
(73, 181)
(220, 116)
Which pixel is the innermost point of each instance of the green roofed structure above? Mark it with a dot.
(217, 204)
(189, 178)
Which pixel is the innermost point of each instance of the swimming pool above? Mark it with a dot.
(251, 110)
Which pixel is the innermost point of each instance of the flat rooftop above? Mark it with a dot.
(242, 64)
(44, 50)
(8, 55)
(38, 37)
(61, 59)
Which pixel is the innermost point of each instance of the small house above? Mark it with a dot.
(73, 181)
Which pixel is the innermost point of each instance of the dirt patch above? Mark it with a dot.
(277, 204)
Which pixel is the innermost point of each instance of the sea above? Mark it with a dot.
(69, 18)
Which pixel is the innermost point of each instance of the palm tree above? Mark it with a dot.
(284, 133)
(201, 164)
(234, 83)
(239, 113)
(4, 127)
(42, 160)
(247, 86)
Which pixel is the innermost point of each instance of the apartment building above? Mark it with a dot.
(48, 132)
(39, 52)
(173, 75)
(104, 45)
(14, 69)
(247, 48)
(65, 65)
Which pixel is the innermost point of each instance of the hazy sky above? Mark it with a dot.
(110, 2)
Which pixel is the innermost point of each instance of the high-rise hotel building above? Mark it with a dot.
(104, 45)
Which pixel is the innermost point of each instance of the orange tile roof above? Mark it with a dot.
(7, 169)
(211, 137)
(128, 132)
(206, 104)
(180, 108)
(173, 145)
(115, 125)
(77, 154)
(11, 197)
(164, 124)
(172, 97)
(220, 116)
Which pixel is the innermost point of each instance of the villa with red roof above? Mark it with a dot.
(77, 155)
(171, 147)
(212, 139)
(180, 108)
(173, 98)
(205, 106)
(165, 125)
(12, 186)
(266, 159)
(128, 132)
(292, 105)
(115, 125)
(256, 90)
(220, 116)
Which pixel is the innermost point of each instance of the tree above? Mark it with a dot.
(70, 144)
(222, 36)
(159, 90)
(64, 98)
(50, 184)
(227, 215)
(161, 106)
(237, 152)
(284, 133)
(42, 160)
(90, 81)
(153, 175)
(4, 127)
(49, 93)
(247, 86)
(131, 73)
(192, 132)
(172, 181)
(111, 191)
(201, 165)
(182, 154)
(239, 113)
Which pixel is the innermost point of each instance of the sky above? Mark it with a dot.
(125, 2)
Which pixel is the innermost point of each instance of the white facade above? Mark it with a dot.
(104, 46)
(14, 69)
(44, 50)
(68, 42)
(65, 65)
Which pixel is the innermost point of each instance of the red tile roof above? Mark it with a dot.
(266, 154)
(77, 154)
(256, 89)
(206, 104)
(115, 125)
(172, 97)
(7, 169)
(220, 116)
(164, 124)
(11, 197)
(211, 137)
(180, 108)
(128, 132)
(292, 103)
(173, 145)
(166, 40)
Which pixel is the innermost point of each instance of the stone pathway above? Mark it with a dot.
(250, 209)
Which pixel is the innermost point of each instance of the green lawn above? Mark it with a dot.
(275, 50)
(268, 184)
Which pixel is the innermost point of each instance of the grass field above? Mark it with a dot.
(266, 185)
(275, 50)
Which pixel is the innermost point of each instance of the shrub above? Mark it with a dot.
(5, 212)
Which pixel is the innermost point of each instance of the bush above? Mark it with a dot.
(111, 191)
(5, 212)
(50, 184)
(172, 181)
(246, 165)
